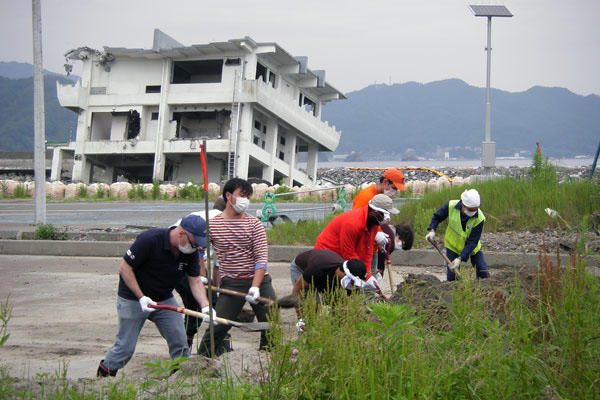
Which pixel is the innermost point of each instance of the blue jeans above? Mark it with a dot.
(477, 261)
(131, 321)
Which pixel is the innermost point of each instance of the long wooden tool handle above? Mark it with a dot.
(389, 267)
(444, 256)
(192, 313)
(265, 300)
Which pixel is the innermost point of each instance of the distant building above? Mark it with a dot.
(142, 113)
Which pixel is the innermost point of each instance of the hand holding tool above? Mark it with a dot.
(145, 302)
(261, 299)
(253, 295)
(248, 327)
(456, 271)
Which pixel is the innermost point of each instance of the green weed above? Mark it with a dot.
(48, 232)
(82, 191)
(20, 191)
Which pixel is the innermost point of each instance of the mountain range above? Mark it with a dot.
(400, 121)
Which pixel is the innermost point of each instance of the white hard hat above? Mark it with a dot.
(470, 198)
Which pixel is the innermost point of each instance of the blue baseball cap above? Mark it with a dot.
(195, 225)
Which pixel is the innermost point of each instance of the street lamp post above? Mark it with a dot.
(488, 148)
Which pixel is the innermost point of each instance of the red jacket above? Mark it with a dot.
(347, 235)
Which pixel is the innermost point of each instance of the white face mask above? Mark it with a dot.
(241, 204)
(399, 244)
(187, 249)
(390, 192)
(469, 213)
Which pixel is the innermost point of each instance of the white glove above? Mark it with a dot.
(144, 301)
(204, 280)
(206, 319)
(347, 283)
(382, 239)
(455, 264)
(300, 326)
(430, 236)
(372, 283)
(253, 294)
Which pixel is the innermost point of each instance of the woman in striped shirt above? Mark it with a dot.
(240, 241)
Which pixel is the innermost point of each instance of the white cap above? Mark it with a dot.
(470, 198)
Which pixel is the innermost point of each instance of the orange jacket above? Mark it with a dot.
(364, 196)
(362, 199)
(347, 235)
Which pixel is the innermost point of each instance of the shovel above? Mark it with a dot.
(265, 300)
(456, 271)
(248, 327)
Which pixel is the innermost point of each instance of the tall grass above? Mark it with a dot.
(509, 204)
(546, 345)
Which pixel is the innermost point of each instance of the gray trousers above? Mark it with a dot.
(131, 321)
(230, 306)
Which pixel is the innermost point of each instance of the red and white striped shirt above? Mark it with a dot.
(240, 244)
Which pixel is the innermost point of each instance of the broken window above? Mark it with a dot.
(282, 141)
(206, 71)
(272, 79)
(153, 89)
(232, 61)
(192, 125)
(133, 124)
(309, 105)
(256, 140)
(281, 155)
(261, 72)
(154, 116)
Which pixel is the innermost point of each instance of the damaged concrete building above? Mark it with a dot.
(143, 113)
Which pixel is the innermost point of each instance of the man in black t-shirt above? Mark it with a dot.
(325, 270)
(150, 269)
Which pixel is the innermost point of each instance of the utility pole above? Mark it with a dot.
(39, 123)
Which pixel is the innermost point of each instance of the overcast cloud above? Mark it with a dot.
(547, 42)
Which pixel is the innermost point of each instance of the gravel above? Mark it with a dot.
(356, 177)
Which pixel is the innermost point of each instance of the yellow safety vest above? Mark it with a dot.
(455, 237)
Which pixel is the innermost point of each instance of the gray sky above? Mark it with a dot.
(547, 42)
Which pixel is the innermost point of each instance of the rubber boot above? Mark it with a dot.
(104, 372)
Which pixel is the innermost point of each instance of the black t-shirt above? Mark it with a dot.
(156, 268)
(318, 268)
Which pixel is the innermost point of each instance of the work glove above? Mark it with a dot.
(372, 283)
(382, 239)
(300, 326)
(144, 301)
(253, 294)
(455, 264)
(204, 280)
(206, 319)
(347, 283)
(430, 236)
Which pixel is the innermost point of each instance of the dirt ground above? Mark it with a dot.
(64, 319)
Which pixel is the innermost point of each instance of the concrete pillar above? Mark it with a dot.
(271, 148)
(164, 112)
(57, 161)
(290, 150)
(81, 166)
(311, 164)
(244, 141)
(318, 109)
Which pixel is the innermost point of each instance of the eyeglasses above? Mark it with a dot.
(194, 246)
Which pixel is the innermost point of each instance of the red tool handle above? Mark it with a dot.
(203, 158)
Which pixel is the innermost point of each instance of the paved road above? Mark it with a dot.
(121, 213)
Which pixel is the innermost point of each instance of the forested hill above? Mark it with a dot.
(414, 119)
